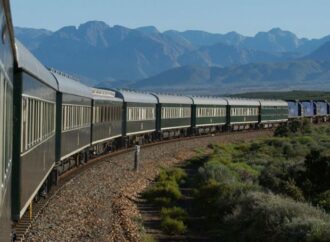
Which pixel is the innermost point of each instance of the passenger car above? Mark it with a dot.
(243, 113)
(139, 116)
(73, 124)
(34, 137)
(107, 120)
(173, 115)
(209, 114)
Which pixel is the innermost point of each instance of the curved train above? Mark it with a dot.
(50, 122)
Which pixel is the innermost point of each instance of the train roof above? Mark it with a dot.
(68, 85)
(269, 102)
(176, 99)
(209, 100)
(102, 94)
(30, 64)
(135, 97)
(242, 101)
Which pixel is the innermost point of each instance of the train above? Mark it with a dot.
(50, 122)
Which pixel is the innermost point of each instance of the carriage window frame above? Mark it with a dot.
(37, 122)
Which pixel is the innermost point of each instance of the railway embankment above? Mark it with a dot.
(101, 203)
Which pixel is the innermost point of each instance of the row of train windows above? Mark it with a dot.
(75, 116)
(38, 121)
(211, 112)
(176, 112)
(105, 114)
(244, 111)
(5, 128)
(140, 113)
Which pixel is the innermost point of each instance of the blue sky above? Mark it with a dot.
(306, 18)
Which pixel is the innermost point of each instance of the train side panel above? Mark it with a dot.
(307, 108)
(6, 121)
(140, 118)
(37, 139)
(174, 116)
(207, 115)
(34, 126)
(75, 124)
(244, 114)
(107, 120)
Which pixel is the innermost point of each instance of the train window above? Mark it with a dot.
(77, 116)
(139, 113)
(210, 112)
(38, 121)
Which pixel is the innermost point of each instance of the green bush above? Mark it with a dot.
(245, 172)
(166, 191)
(174, 174)
(282, 131)
(306, 126)
(289, 188)
(215, 199)
(173, 226)
(163, 193)
(318, 170)
(175, 213)
(295, 126)
(216, 171)
(267, 217)
(323, 200)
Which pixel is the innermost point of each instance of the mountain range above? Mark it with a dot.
(189, 61)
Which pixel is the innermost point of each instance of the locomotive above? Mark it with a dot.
(50, 122)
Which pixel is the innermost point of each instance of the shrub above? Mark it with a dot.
(217, 171)
(281, 131)
(175, 213)
(174, 174)
(268, 217)
(306, 127)
(177, 174)
(323, 200)
(173, 226)
(215, 199)
(272, 177)
(245, 172)
(318, 170)
(294, 126)
(289, 188)
(163, 193)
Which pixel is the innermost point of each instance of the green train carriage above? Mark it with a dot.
(173, 115)
(209, 114)
(273, 112)
(138, 116)
(106, 120)
(242, 113)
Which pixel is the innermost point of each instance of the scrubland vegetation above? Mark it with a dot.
(274, 189)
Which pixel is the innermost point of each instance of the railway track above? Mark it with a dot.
(22, 227)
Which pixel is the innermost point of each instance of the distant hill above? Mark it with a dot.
(31, 37)
(227, 55)
(306, 74)
(100, 52)
(275, 40)
(322, 53)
